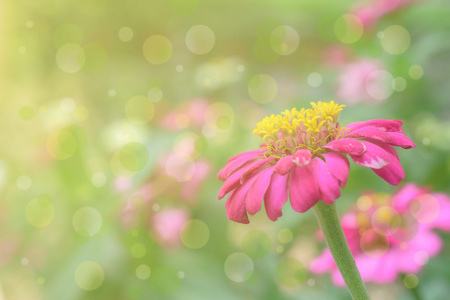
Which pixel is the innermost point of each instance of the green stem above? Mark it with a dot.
(414, 291)
(334, 236)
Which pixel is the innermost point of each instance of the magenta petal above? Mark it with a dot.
(337, 279)
(276, 195)
(347, 145)
(328, 184)
(370, 132)
(386, 272)
(353, 125)
(247, 153)
(323, 263)
(235, 205)
(284, 165)
(233, 182)
(367, 266)
(257, 191)
(443, 220)
(338, 165)
(233, 166)
(425, 241)
(375, 157)
(385, 125)
(303, 189)
(405, 195)
(302, 157)
(398, 139)
(392, 173)
(253, 167)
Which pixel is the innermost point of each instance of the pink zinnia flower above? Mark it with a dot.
(389, 236)
(305, 152)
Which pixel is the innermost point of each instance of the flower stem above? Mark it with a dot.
(414, 290)
(334, 236)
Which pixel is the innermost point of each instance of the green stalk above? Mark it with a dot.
(334, 236)
(414, 291)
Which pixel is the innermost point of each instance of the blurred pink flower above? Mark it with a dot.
(177, 178)
(370, 12)
(188, 174)
(166, 226)
(9, 247)
(336, 55)
(191, 113)
(364, 80)
(306, 151)
(189, 189)
(391, 235)
(122, 184)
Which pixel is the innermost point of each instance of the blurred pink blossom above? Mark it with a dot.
(166, 226)
(9, 247)
(189, 190)
(177, 178)
(188, 174)
(122, 184)
(336, 55)
(191, 113)
(391, 235)
(370, 12)
(364, 80)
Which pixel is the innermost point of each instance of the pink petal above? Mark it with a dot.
(302, 157)
(425, 241)
(303, 190)
(233, 182)
(385, 125)
(257, 191)
(247, 153)
(276, 195)
(328, 184)
(443, 220)
(284, 165)
(367, 266)
(323, 263)
(370, 132)
(337, 279)
(338, 165)
(347, 145)
(375, 157)
(253, 167)
(405, 195)
(386, 271)
(235, 204)
(234, 165)
(353, 125)
(392, 173)
(401, 140)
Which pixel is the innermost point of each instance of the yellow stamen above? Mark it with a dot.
(306, 129)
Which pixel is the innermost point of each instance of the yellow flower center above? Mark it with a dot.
(309, 128)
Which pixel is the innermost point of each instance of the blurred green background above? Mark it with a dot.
(115, 117)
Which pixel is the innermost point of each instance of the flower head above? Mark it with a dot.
(304, 153)
(390, 235)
